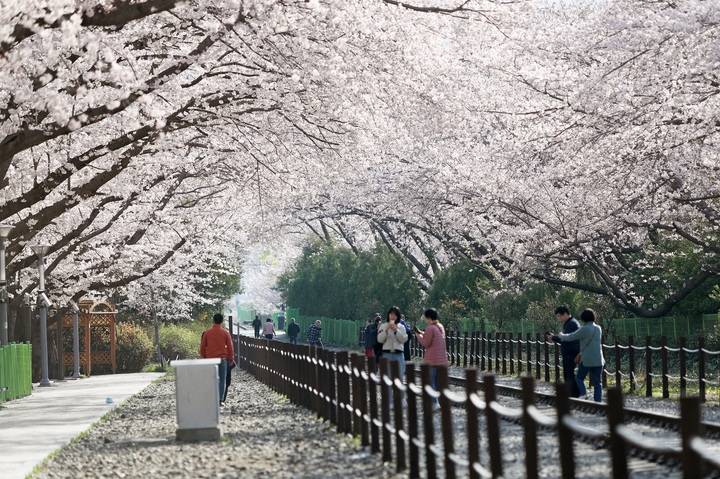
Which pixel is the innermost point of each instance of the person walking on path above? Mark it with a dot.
(433, 340)
(377, 347)
(591, 357)
(269, 329)
(409, 332)
(370, 337)
(393, 336)
(257, 324)
(217, 343)
(314, 334)
(293, 331)
(568, 350)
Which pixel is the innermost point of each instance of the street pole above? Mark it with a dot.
(28, 318)
(156, 325)
(40, 251)
(44, 381)
(4, 232)
(76, 343)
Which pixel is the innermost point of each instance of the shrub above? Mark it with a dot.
(179, 342)
(134, 348)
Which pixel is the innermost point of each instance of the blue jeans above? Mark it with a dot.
(397, 356)
(222, 377)
(293, 339)
(595, 372)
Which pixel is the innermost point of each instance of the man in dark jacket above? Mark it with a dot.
(257, 324)
(293, 330)
(568, 349)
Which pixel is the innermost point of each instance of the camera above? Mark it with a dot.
(74, 307)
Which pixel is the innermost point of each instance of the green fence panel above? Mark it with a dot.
(15, 371)
(4, 386)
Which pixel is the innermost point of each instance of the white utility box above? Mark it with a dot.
(197, 399)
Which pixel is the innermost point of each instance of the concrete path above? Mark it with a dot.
(35, 426)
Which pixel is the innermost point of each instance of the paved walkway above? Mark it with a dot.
(35, 426)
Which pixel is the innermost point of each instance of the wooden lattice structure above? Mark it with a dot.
(97, 336)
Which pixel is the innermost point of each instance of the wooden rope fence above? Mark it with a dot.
(343, 388)
(505, 354)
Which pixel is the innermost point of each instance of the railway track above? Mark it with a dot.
(653, 438)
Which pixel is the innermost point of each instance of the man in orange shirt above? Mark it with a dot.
(217, 343)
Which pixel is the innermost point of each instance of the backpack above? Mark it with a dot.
(409, 332)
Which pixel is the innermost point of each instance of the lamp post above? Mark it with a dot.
(76, 340)
(40, 251)
(4, 232)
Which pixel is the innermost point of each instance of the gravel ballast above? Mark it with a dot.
(264, 436)
(267, 436)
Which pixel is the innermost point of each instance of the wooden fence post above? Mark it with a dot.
(482, 351)
(493, 427)
(344, 424)
(665, 379)
(538, 369)
(690, 428)
(556, 355)
(504, 355)
(332, 369)
(465, 349)
(529, 429)
(512, 355)
(618, 449)
(618, 364)
(648, 366)
(450, 338)
(631, 360)
(701, 368)
(398, 419)
(412, 422)
(428, 427)
(565, 434)
(359, 401)
(446, 421)
(372, 392)
(385, 408)
(546, 348)
(473, 350)
(473, 426)
(683, 368)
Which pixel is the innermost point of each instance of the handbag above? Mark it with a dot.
(578, 358)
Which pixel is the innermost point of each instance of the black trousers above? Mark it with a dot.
(569, 373)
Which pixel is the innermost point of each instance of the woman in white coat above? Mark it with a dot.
(392, 335)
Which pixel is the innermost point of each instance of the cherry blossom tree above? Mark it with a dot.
(545, 139)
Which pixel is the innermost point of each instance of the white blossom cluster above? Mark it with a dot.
(152, 143)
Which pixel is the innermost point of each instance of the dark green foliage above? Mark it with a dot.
(334, 282)
(178, 342)
(133, 349)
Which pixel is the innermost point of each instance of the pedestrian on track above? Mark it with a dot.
(216, 342)
(269, 329)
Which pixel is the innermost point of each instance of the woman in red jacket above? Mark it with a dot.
(433, 339)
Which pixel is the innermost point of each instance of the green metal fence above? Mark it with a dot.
(674, 327)
(15, 371)
(338, 332)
